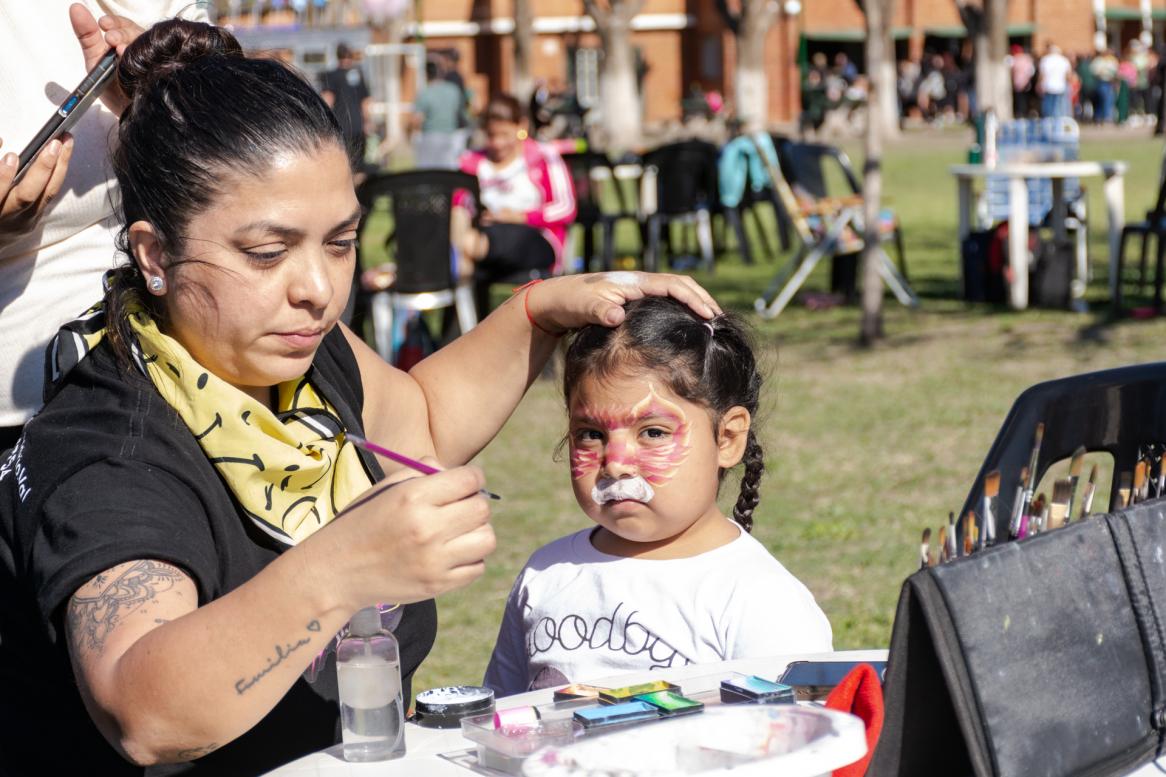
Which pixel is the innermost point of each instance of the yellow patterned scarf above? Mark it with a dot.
(291, 470)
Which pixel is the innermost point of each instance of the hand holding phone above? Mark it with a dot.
(813, 680)
(22, 202)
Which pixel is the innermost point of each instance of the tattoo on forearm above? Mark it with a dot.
(244, 684)
(192, 753)
(91, 619)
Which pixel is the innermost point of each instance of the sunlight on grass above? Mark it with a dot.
(863, 448)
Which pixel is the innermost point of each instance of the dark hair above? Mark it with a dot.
(199, 110)
(503, 107)
(709, 363)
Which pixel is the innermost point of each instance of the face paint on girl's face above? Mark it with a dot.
(649, 439)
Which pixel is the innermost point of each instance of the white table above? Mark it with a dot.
(1114, 188)
(424, 746)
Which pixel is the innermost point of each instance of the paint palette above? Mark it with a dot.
(504, 748)
(749, 739)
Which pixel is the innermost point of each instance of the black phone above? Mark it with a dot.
(813, 680)
(69, 111)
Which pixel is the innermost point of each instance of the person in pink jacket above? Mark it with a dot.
(527, 197)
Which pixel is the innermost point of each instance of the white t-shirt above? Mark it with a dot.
(576, 614)
(1054, 73)
(51, 274)
(508, 187)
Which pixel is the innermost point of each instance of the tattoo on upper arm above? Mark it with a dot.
(92, 618)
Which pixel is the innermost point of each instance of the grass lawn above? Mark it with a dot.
(864, 448)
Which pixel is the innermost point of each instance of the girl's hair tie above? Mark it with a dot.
(709, 326)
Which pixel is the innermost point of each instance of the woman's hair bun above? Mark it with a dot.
(166, 48)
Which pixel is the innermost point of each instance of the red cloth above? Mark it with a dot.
(860, 693)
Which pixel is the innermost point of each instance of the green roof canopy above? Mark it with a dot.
(1132, 14)
(851, 34)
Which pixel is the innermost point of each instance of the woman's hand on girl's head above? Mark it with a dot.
(573, 301)
(407, 541)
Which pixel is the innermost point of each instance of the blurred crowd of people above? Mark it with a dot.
(1104, 87)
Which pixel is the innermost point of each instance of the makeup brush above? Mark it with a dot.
(1090, 490)
(1037, 439)
(969, 530)
(1017, 505)
(1161, 475)
(1123, 491)
(952, 545)
(1075, 466)
(941, 544)
(1040, 514)
(1062, 494)
(925, 557)
(991, 490)
(1139, 482)
(413, 464)
(1032, 519)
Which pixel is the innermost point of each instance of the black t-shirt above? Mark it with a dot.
(348, 88)
(108, 473)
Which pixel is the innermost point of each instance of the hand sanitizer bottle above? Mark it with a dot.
(368, 673)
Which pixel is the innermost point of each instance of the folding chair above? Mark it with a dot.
(805, 166)
(421, 204)
(825, 228)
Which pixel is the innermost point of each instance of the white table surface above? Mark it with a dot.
(424, 746)
(1017, 173)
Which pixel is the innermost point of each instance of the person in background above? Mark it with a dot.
(57, 225)
(527, 196)
(1053, 73)
(439, 114)
(845, 69)
(188, 523)
(345, 92)
(1104, 68)
(1141, 58)
(1022, 70)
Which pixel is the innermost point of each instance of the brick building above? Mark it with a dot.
(686, 42)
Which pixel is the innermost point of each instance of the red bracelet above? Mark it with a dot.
(526, 307)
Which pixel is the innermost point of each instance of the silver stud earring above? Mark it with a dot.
(157, 284)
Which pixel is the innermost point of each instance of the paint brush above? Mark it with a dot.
(969, 533)
(1059, 509)
(1161, 475)
(1018, 505)
(1139, 482)
(413, 464)
(1123, 490)
(925, 557)
(1037, 439)
(1075, 466)
(1090, 490)
(952, 545)
(991, 490)
(941, 544)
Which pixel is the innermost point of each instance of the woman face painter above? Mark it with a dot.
(186, 526)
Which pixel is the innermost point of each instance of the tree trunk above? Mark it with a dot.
(394, 126)
(751, 86)
(617, 78)
(878, 56)
(523, 37)
(996, 22)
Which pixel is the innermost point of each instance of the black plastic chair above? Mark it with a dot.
(1116, 411)
(682, 178)
(421, 205)
(805, 167)
(1153, 226)
(588, 169)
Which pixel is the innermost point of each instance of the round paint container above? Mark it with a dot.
(445, 707)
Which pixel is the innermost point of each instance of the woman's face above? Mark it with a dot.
(501, 140)
(267, 270)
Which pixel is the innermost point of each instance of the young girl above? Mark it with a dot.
(660, 409)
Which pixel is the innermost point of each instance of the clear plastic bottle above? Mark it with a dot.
(368, 673)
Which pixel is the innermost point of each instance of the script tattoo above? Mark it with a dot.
(244, 684)
(91, 619)
(193, 753)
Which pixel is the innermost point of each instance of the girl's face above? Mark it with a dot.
(501, 140)
(266, 270)
(626, 427)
